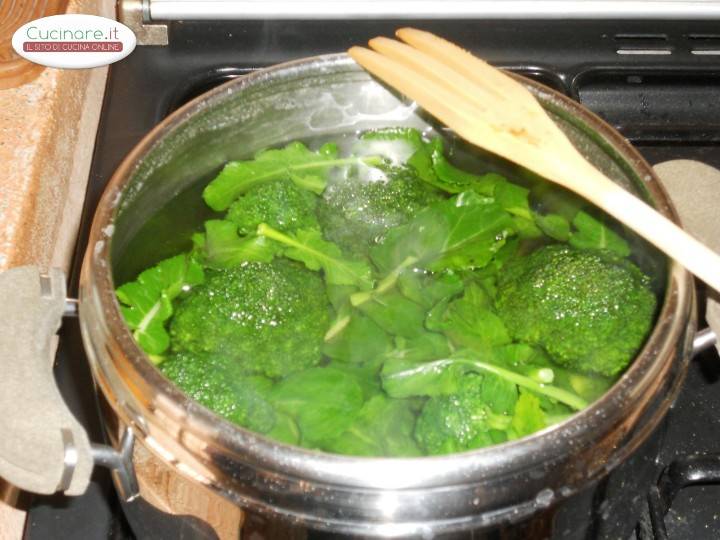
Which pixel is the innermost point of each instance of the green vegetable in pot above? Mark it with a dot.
(323, 401)
(307, 169)
(383, 427)
(460, 421)
(591, 310)
(222, 247)
(356, 213)
(269, 318)
(147, 301)
(280, 203)
(387, 302)
(309, 247)
(218, 383)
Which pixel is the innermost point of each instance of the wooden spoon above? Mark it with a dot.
(491, 110)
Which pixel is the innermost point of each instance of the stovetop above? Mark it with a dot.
(657, 82)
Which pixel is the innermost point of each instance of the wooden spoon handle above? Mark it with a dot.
(650, 224)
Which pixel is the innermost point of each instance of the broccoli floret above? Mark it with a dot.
(217, 383)
(282, 204)
(269, 318)
(460, 421)
(589, 309)
(354, 212)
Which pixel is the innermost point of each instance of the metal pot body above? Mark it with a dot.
(419, 497)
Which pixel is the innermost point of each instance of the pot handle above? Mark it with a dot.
(703, 340)
(43, 448)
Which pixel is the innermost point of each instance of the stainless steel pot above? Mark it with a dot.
(418, 497)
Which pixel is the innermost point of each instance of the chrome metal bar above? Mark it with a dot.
(71, 307)
(120, 464)
(703, 340)
(430, 9)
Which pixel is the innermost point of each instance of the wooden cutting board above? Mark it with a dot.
(15, 70)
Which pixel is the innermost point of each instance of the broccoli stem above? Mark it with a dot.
(156, 359)
(563, 396)
(385, 284)
(337, 326)
(498, 421)
(556, 418)
(267, 231)
(589, 387)
(544, 375)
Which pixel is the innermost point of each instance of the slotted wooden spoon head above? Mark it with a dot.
(479, 102)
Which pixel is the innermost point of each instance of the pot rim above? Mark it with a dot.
(574, 433)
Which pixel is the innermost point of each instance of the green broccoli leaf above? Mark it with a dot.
(407, 134)
(359, 341)
(147, 301)
(590, 233)
(383, 427)
(403, 379)
(223, 248)
(448, 177)
(470, 322)
(304, 167)
(462, 237)
(324, 402)
(366, 374)
(406, 378)
(339, 295)
(421, 161)
(514, 199)
(395, 314)
(432, 167)
(428, 290)
(551, 198)
(446, 236)
(553, 225)
(528, 417)
(526, 228)
(425, 346)
(309, 247)
(285, 430)
(384, 285)
(499, 394)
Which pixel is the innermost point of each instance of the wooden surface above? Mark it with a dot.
(47, 134)
(15, 70)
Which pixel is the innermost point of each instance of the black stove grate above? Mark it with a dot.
(690, 471)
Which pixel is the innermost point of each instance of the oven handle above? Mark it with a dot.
(43, 448)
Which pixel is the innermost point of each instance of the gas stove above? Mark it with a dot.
(656, 80)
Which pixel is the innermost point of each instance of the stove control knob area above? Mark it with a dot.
(43, 448)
